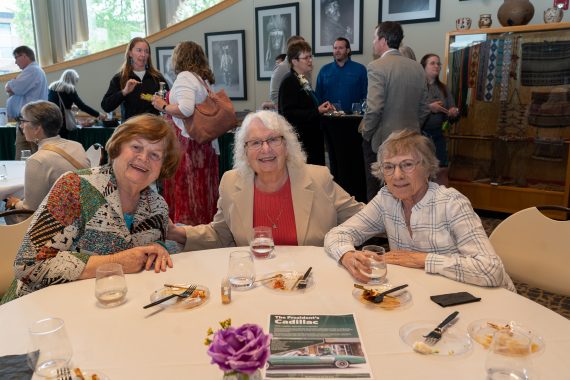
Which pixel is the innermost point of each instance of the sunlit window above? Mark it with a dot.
(188, 8)
(16, 29)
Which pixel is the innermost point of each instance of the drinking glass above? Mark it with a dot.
(25, 154)
(49, 348)
(377, 264)
(3, 173)
(241, 271)
(261, 243)
(110, 285)
(509, 357)
(356, 108)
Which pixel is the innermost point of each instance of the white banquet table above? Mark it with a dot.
(127, 342)
(14, 184)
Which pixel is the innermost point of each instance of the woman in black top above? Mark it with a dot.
(63, 91)
(134, 85)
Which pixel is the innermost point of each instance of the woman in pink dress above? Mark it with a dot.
(192, 193)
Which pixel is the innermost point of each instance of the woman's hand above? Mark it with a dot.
(326, 107)
(130, 86)
(437, 107)
(176, 233)
(357, 262)
(406, 259)
(136, 259)
(158, 102)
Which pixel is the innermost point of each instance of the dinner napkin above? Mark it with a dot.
(15, 367)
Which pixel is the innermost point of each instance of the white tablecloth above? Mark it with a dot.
(14, 185)
(128, 342)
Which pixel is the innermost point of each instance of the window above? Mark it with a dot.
(188, 8)
(16, 29)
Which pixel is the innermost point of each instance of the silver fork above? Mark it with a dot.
(435, 335)
(185, 294)
(63, 374)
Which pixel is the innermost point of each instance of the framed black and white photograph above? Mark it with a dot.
(333, 19)
(226, 56)
(273, 26)
(164, 63)
(409, 11)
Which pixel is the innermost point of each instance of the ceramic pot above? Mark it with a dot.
(553, 15)
(515, 12)
(463, 23)
(485, 21)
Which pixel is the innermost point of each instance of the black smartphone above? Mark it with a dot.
(451, 299)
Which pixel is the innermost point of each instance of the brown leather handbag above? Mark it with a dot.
(211, 118)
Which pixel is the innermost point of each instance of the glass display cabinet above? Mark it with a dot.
(509, 148)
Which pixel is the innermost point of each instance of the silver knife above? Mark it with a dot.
(302, 281)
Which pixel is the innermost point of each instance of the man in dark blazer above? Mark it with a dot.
(397, 96)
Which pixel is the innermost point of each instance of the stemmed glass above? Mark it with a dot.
(509, 357)
(49, 349)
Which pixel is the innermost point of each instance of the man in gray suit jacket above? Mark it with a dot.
(397, 96)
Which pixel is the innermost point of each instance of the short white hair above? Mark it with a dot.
(273, 121)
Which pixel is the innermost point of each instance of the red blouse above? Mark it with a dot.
(276, 210)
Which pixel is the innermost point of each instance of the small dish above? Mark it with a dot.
(200, 296)
(391, 301)
(88, 374)
(453, 342)
(482, 330)
(286, 282)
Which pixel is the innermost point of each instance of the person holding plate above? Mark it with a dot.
(107, 214)
(271, 185)
(429, 226)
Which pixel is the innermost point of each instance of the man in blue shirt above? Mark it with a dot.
(29, 85)
(343, 80)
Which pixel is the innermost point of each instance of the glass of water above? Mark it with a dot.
(241, 271)
(25, 154)
(49, 348)
(3, 173)
(356, 108)
(110, 285)
(262, 244)
(509, 356)
(377, 263)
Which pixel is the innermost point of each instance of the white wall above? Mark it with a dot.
(423, 38)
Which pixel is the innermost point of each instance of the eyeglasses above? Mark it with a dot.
(272, 142)
(308, 58)
(406, 166)
(21, 120)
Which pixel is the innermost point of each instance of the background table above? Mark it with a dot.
(14, 185)
(344, 144)
(128, 342)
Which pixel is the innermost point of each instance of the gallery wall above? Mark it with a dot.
(422, 37)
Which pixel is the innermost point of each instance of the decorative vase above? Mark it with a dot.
(485, 21)
(553, 15)
(463, 23)
(515, 12)
(242, 376)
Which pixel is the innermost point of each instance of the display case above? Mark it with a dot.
(509, 148)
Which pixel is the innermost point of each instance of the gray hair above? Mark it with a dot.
(44, 114)
(407, 141)
(296, 157)
(66, 82)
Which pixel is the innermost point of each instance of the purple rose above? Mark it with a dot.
(244, 349)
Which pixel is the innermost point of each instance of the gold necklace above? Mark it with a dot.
(274, 222)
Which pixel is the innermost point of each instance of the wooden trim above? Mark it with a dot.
(121, 48)
(513, 29)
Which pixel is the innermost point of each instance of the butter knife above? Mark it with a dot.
(302, 281)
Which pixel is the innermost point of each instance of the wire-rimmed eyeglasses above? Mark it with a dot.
(406, 166)
(272, 142)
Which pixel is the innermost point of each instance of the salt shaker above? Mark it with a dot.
(226, 291)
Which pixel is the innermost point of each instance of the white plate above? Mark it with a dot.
(285, 283)
(177, 303)
(481, 332)
(453, 342)
(403, 296)
(88, 374)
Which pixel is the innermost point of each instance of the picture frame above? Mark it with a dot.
(409, 12)
(164, 63)
(333, 19)
(273, 26)
(226, 56)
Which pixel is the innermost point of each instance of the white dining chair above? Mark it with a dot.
(11, 239)
(95, 154)
(535, 248)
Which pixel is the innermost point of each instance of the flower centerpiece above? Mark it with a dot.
(239, 352)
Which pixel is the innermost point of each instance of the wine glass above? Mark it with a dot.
(49, 348)
(110, 285)
(262, 244)
(509, 356)
(377, 264)
(241, 271)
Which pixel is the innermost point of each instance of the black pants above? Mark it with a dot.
(372, 183)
